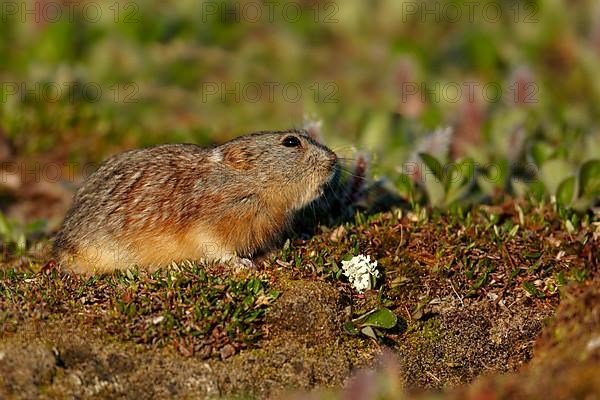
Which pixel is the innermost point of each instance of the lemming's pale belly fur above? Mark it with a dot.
(151, 249)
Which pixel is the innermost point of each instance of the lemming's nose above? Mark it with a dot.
(332, 159)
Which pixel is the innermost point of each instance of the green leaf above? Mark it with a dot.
(360, 218)
(130, 275)
(434, 186)
(434, 166)
(495, 176)
(583, 203)
(5, 228)
(347, 257)
(36, 226)
(486, 186)
(379, 318)
(519, 187)
(537, 189)
(553, 172)
(467, 168)
(382, 318)
(21, 243)
(351, 329)
(459, 173)
(589, 178)
(532, 290)
(458, 180)
(368, 331)
(405, 185)
(566, 191)
(541, 152)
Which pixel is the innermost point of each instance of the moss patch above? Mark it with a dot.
(200, 313)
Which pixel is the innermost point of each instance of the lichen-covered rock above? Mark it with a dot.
(25, 369)
(454, 347)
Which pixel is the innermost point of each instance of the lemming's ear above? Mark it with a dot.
(238, 157)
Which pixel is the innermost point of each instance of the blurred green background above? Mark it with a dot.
(517, 81)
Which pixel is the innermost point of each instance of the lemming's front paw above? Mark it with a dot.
(242, 263)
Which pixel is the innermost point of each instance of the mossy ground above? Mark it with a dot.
(472, 290)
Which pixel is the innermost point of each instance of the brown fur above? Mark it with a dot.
(167, 203)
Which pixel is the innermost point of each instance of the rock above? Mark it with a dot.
(307, 312)
(25, 370)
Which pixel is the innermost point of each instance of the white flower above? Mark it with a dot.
(361, 272)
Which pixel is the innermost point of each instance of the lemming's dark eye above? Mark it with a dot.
(291, 141)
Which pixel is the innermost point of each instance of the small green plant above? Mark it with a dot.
(573, 186)
(13, 235)
(372, 323)
(449, 184)
(582, 189)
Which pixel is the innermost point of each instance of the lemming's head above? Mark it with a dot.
(289, 162)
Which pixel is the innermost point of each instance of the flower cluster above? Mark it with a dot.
(361, 272)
